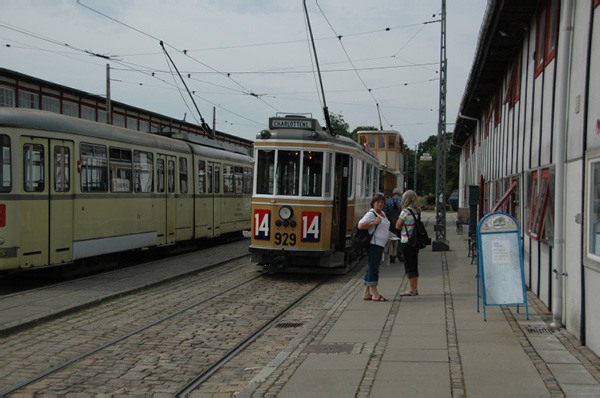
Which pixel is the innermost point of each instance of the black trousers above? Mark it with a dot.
(411, 261)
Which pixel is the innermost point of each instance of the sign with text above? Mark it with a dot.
(500, 258)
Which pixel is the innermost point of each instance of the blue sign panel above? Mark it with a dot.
(500, 256)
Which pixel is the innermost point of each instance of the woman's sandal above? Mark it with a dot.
(366, 298)
(410, 293)
(380, 298)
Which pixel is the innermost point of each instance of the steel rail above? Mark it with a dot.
(202, 377)
(117, 340)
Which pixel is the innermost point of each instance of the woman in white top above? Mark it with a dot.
(378, 225)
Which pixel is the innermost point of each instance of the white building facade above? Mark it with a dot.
(528, 131)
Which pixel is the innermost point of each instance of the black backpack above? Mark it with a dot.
(419, 238)
(360, 238)
(393, 217)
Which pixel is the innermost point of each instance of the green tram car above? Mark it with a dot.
(72, 190)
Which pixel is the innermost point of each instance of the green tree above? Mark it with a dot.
(339, 125)
(427, 171)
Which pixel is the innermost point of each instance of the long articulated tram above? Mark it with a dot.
(310, 188)
(72, 190)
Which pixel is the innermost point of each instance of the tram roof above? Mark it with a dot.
(44, 120)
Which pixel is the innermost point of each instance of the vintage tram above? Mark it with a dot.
(310, 188)
(73, 190)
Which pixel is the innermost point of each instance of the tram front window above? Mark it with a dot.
(288, 173)
(264, 172)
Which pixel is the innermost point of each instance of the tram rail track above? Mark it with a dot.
(44, 380)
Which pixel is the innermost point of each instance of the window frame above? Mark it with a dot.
(97, 164)
(545, 45)
(539, 198)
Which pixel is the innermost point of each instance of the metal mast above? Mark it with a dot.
(440, 243)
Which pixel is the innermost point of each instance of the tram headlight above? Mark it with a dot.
(286, 212)
(265, 134)
(314, 135)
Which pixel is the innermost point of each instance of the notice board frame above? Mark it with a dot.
(501, 275)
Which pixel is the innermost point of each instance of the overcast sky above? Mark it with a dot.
(251, 58)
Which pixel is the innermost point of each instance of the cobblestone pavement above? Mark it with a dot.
(160, 359)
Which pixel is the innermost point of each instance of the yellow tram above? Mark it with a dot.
(310, 188)
(72, 190)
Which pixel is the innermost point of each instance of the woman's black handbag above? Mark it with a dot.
(360, 238)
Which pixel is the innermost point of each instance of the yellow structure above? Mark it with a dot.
(388, 146)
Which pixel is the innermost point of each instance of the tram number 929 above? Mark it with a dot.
(285, 239)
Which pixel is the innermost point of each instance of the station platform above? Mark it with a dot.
(435, 344)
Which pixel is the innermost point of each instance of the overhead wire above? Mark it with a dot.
(184, 52)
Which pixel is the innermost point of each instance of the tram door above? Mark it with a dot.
(216, 198)
(340, 206)
(46, 205)
(61, 201)
(167, 206)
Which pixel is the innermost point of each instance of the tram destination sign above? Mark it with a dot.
(301, 124)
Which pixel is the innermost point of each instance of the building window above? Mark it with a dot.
(593, 245)
(541, 205)
(70, 109)
(391, 142)
(118, 120)
(144, 126)
(547, 28)
(102, 115)
(88, 113)
(28, 100)
(132, 123)
(513, 90)
(7, 97)
(371, 141)
(50, 104)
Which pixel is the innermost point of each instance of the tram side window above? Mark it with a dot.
(33, 167)
(265, 172)
(217, 179)
(228, 179)
(247, 180)
(171, 177)
(183, 175)
(209, 180)
(143, 171)
(5, 165)
(201, 176)
(94, 168)
(160, 175)
(351, 177)
(120, 170)
(62, 163)
(312, 174)
(288, 173)
(239, 175)
(328, 174)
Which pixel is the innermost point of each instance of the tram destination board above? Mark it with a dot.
(286, 123)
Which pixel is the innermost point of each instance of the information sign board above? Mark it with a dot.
(500, 255)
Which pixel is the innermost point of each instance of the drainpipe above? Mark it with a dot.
(462, 178)
(560, 128)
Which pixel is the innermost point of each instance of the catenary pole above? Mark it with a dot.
(440, 243)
